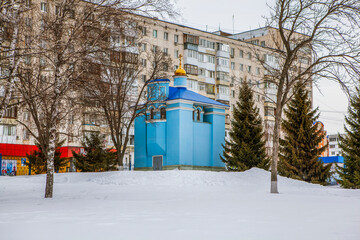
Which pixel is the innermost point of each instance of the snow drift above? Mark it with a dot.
(175, 205)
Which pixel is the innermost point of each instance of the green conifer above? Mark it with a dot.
(246, 148)
(37, 160)
(350, 145)
(299, 150)
(96, 158)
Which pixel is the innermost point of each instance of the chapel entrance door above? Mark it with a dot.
(157, 163)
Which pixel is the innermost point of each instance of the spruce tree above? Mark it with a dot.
(96, 158)
(350, 146)
(299, 150)
(37, 160)
(246, 148)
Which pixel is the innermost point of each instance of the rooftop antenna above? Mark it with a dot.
(233, 23)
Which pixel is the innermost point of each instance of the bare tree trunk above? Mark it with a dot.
(275, 153)
(50, 164)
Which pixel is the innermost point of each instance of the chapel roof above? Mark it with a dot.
(183, 93)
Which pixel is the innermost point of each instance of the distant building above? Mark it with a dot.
(181, 129)
(334, 148)
(334, 161)
(324, 141)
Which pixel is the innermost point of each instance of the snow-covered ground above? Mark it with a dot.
(175, 205)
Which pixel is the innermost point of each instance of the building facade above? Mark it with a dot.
(179, 128)
(216, 65)
(334, 148)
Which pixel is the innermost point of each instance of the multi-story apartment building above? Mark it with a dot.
(325, 141)
(334, 148)
(216, 63)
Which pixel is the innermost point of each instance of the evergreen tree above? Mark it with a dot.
(37, 160)
(299, 150)
(350, 145)
(96, 158)
(246, 148)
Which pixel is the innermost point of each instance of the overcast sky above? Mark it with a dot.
(249, 14)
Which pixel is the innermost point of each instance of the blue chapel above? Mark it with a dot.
(179, 129)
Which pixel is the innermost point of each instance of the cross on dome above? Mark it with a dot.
(180, 71)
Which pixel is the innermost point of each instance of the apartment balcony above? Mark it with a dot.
(206, 50)
(8, 121)
(269, 118)
(270, 91)
(222, 54)
(210, 95)
(221, 68)
(222, 82)
(210, 80)
(206, 65)
(90, 127)
(223, 97)
(190, 61)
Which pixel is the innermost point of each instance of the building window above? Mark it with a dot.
(27, 3)
(163, 113)
(269, 111)
(223, 90)
(232, 65)
(143, 62)
(27, 41)
(192, 84)
(166, 51)
(232, 52)
(176, 53)
(223, 62)
(192, 54)
(176, 38)
(152, 113)
(166, 36)
(249, 56)
(154, 49)
(257, 71)
(131, 140)
(241, 67)
(43, 7)
(198, 115)
(262, 43)
(143, 46)
(241, 53)
(191, 69)
(155, 33)
(249, 69)
(194, 115)
(26, 135)
(223, 47)
(210, 59)
(143, 31)
(10, 112)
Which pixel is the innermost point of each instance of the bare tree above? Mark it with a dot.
(10, 29)
(117, 91)
(68, 35)
(312, 40)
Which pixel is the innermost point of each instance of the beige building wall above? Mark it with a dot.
(216, 63)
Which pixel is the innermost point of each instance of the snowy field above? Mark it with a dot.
(175, 205)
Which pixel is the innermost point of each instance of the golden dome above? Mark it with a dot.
(180, 71)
